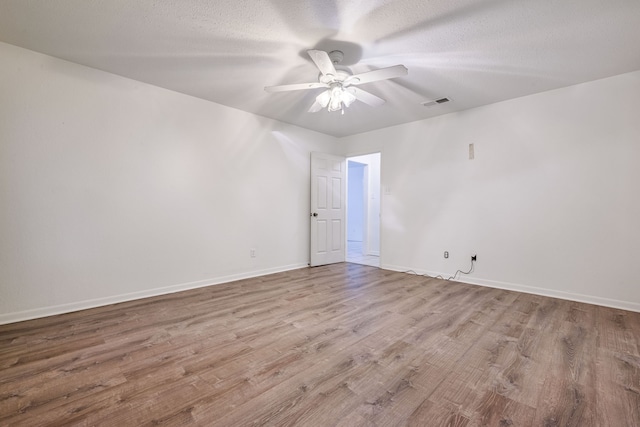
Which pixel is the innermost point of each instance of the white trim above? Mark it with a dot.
(98, 302)
(588, 299)
(35, 313)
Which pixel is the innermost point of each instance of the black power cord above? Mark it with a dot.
(473, 261)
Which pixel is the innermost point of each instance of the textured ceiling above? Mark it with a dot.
(474, 52)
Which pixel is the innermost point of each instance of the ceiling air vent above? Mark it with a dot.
(437, 101)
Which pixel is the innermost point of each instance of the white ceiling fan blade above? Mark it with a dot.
(299, 86)
(366, 97)
(315, 107)
(376, 75)
(322, 61)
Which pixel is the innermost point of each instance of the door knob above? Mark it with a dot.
(314, 214)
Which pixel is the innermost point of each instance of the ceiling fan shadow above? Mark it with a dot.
(309, 19)
(446, 18)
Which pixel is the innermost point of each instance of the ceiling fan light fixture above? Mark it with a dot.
(348, 98)
(338, 98)
(324, 98)
(335, 103)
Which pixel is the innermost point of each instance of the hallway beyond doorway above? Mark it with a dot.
(356, 256)
(363, 209)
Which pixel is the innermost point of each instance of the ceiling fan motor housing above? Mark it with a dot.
(340, 76)
(336, 56)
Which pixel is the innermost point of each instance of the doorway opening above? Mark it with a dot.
(363, 209)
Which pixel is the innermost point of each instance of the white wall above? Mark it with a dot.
(113, 189)
(550, 204)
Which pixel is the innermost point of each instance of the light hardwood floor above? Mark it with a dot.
(340, 345)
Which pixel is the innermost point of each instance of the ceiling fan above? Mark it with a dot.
(340, 84)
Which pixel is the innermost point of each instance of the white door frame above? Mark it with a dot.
(366, 243)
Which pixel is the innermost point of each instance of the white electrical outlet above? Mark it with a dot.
(252, 252)
(471, 152)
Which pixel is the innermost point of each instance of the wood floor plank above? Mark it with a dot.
(344, 345)
(619, 368)
(569, 382)
(429, 413)
(494, 409)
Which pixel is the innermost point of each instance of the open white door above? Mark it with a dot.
(328, 193)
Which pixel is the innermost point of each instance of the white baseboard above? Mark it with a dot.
(98, 302)
(35, 313)
(589, 299)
